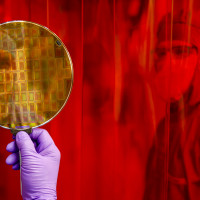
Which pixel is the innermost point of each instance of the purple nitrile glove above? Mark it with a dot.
(39, 164)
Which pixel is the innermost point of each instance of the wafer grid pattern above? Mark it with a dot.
(35, 75)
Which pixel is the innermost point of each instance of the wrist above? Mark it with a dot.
(39, 196)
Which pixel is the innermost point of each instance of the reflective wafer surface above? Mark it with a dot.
(36, 74)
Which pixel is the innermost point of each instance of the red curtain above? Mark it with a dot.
(120, 136)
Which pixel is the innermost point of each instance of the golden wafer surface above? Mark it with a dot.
(36, 74)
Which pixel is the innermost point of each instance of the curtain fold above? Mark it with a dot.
(130, 129)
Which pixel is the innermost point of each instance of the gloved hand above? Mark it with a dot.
(39, 163)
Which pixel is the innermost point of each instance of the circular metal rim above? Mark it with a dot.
(72, 70)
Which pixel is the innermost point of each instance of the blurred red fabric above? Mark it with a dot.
(100, 131)
(113, 130)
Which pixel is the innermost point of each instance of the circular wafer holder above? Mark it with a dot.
(36, 75)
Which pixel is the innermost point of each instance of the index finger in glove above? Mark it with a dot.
(12, 147)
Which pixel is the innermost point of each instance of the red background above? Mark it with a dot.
(106, 129)
(102, 157)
